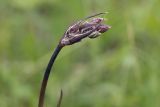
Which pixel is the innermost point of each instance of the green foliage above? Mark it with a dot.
(119, 69)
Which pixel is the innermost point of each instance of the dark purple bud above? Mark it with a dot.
(73, 28)
(103, 28)
(97, 20)
(85, 28)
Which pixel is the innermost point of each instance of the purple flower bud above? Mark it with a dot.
(85, 28)
(97, 20)
(103, 28)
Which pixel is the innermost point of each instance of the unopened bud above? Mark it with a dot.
(85, 28)
(103, 28)
(97, 20)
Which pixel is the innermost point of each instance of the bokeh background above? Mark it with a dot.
(119, 69)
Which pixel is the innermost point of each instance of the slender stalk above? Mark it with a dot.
(46, 75)
(60, 99)
(75, 33)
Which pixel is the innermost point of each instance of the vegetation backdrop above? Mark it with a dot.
(119, 69)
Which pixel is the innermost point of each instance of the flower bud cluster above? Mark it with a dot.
(89, 28)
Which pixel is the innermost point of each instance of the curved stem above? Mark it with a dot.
(60, 99)
(46, 75)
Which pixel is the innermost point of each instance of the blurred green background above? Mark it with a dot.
(119, 69)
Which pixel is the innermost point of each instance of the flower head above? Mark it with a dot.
(90, 27)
